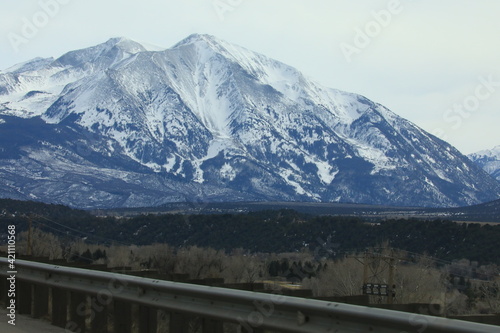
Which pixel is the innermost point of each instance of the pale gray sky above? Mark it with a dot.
(435, 63)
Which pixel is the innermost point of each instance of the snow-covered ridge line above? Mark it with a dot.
(208, 119)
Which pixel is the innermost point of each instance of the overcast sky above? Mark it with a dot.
(435, 63)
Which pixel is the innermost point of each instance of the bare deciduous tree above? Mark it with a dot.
(339, 278)
(43, 244)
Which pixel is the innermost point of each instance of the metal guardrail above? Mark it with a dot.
(252, 311)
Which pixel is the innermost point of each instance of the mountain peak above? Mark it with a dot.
(112, 51)
(125, 44)
(489, 160)
(210, 120)
(212, 44)
(495, 151)
(197, 38)
(132, 46)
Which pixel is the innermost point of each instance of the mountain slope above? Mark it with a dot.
(489, 160)
(118, 125)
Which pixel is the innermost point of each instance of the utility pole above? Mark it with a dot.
(391, 290)
(373, 284)
(365, 269)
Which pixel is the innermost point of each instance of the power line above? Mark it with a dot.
(109, 240)
(74, 254)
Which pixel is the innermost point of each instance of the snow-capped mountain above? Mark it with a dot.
(120, 124)
(489, 160)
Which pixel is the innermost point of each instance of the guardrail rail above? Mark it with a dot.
(82, 300)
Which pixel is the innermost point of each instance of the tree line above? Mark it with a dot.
(268, 231)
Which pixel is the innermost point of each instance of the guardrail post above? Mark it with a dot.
(122, 317)
(97, 321)
(148, 319)
(23, 297)
(58, 307)
(3, 291)
(179, 323)
(78, 310)
(212, 326)
(110, 317)
(39, 301)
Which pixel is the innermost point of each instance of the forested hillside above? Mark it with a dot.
(264, 231)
